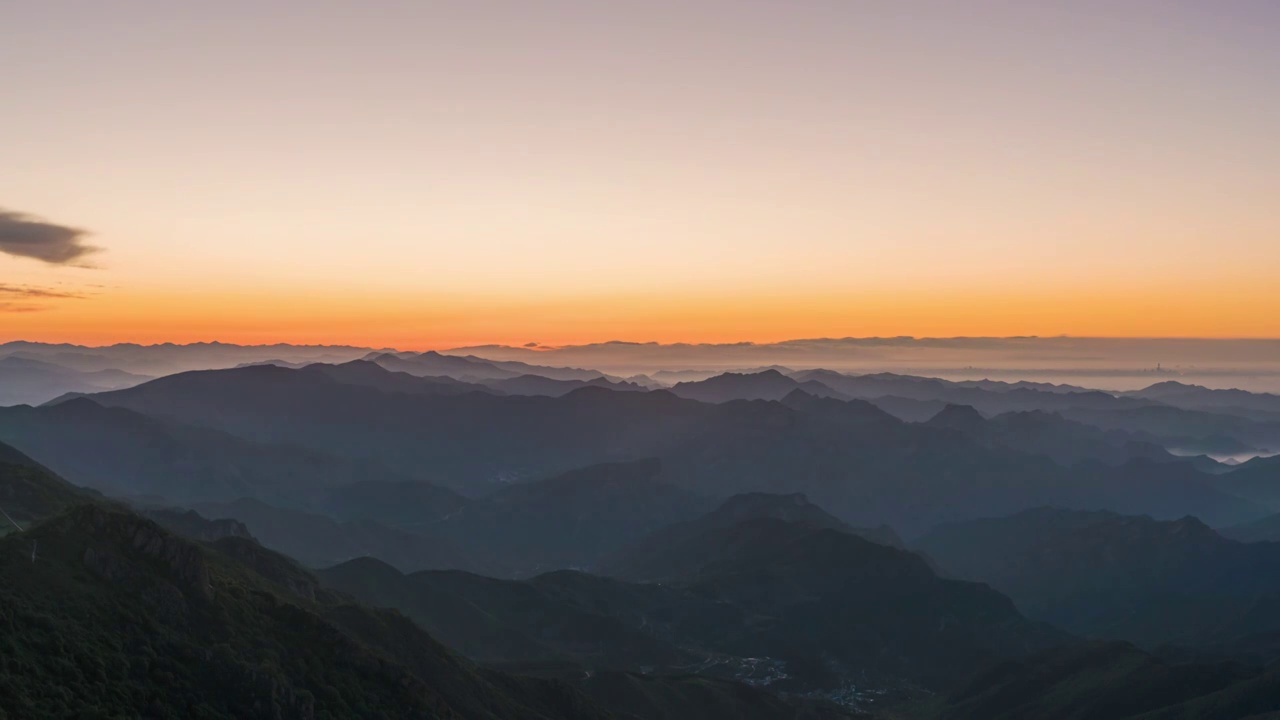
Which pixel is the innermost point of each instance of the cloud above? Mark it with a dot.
(19, 298)
(18, 291)
(23, 235)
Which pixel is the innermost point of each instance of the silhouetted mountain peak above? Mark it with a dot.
(360, 364)
(958, 417)
(76, 404)
(764, 385)
(799, 397)
(791, 507)
(1170, 386)
(364, 568)
(768, 374)
(830, 405)
(728, 378)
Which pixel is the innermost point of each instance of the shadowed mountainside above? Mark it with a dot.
(318, 541)
(1115, 576)
(678, 549)
(1112, 681)
(570, 520)
(780, 604)
(1049, 434)
(140, 610)
(31, 492)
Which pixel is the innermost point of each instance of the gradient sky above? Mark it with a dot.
(429, 174)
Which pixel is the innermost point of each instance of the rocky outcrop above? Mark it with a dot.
(190, 524)
(121, 545)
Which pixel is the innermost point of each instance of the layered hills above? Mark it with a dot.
(855, 460)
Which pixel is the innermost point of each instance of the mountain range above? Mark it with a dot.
(849, 457)
(556, 542)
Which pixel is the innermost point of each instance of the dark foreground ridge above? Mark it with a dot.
(145, 620)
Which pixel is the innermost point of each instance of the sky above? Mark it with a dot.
(432, 174)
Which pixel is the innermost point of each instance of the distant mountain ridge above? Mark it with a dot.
(765, 385)
(1136, 356)
(27, 381)
(1198, 397)
(475, 369)
(1050, 434)
(167, 358)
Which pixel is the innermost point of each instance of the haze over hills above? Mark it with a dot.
(1112, 363)
(1076, 363)
(472, 442)
(476, 369)
(168, 358)
(1264, 406)
(128, 454)
(1045, 433)
(25, 381)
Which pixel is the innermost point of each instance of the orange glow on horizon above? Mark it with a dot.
(421, 322)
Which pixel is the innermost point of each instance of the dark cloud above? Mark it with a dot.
(8, 307)
(22, 235)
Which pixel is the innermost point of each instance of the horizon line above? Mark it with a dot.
(537, 347)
